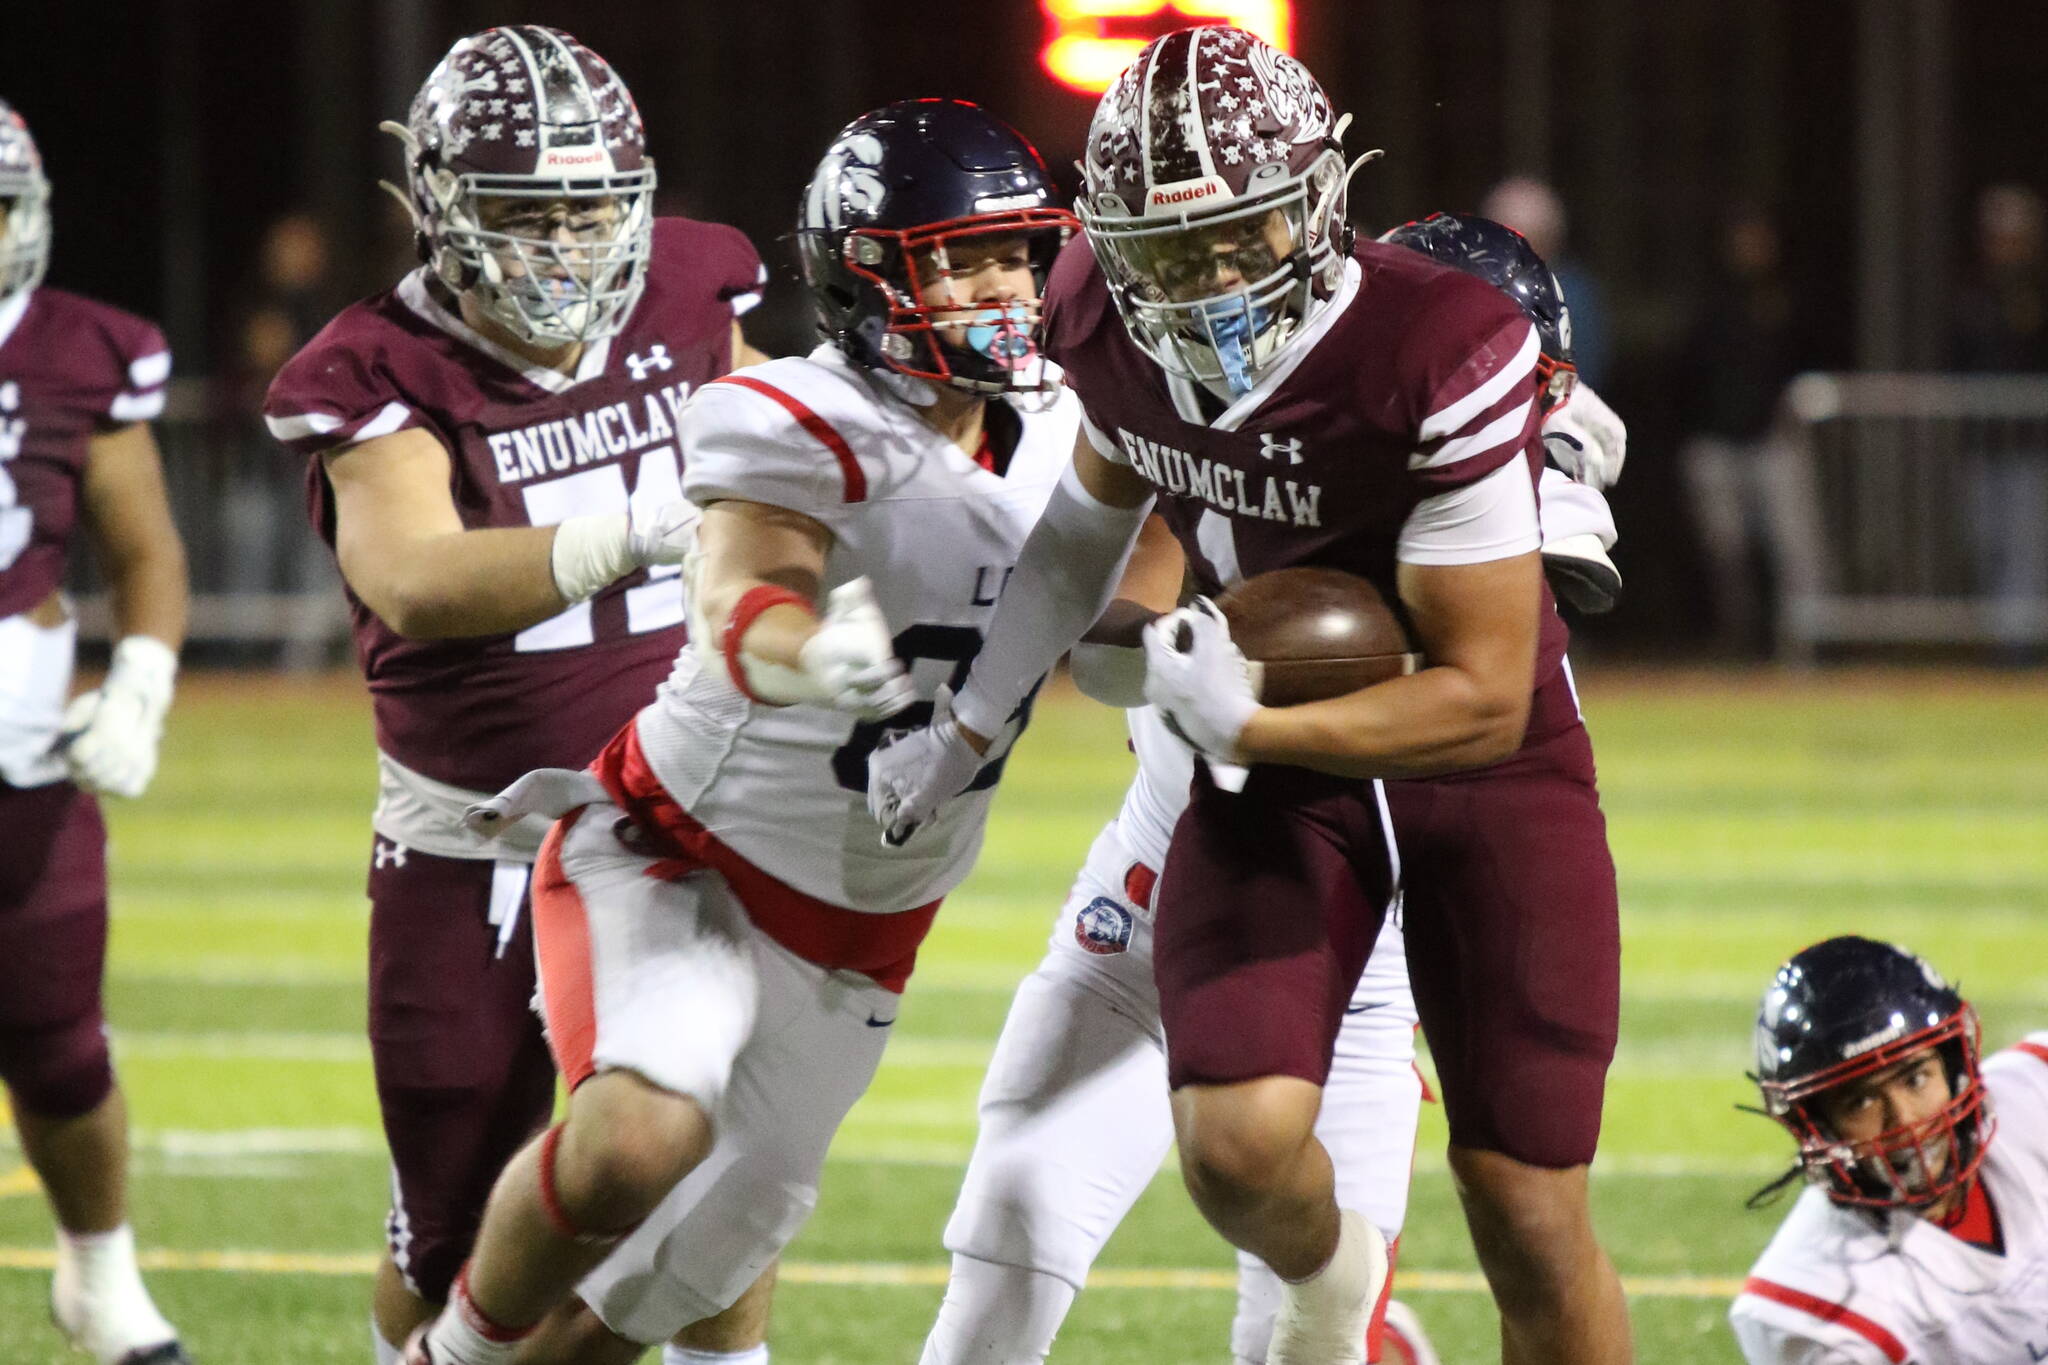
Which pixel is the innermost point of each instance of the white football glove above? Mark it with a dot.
(110, 736)
(590, 553)
(664, 536)
(1586, 439)
(913, 773)
(1199, 679)
(850, 661)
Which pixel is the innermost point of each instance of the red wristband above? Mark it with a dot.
(752, 603)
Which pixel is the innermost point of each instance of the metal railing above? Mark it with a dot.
(262, 581)
(1925, 516)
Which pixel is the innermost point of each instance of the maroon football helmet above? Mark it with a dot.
(1215, 201)
(25, 193)
(526, 113)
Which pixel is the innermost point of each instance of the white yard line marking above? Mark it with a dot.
(865, 1274)
(246, 1144)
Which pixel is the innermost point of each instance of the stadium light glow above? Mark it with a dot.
(1089, 41)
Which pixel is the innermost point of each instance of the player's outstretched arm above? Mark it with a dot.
(1108, 662)
(753, 588)
(1477, 625)
(1066, 570)
(405, 552)
(111, 734)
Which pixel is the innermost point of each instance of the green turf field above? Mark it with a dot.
(1749, 817)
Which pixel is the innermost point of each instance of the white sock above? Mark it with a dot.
(673, 1354)
(997, 1315)
(99, 1297)
(384, 1351)
(462, 1335)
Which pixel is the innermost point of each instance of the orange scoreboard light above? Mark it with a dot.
(1089, 41)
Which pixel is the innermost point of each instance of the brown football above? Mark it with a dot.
(1315, 633)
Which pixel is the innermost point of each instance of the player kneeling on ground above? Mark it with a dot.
(722, 936)
(1923, 1233)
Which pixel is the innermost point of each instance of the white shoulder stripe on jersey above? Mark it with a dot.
(1499, 430)
(136, 407)
(300, 427)
(1454, 415)
(389, 418)
(148, 371)
(742, 304)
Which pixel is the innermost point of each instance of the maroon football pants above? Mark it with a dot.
(53, 950)
(1271, 899)
(1514, 947)
(463, 1074)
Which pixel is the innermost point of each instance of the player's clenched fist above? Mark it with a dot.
(110, 735)
(915, 772)
(851, 660)
(1198, 678)
(1586, 439)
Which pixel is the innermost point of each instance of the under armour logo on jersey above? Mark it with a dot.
(655, 359)
(389, 854)
(1271, 445)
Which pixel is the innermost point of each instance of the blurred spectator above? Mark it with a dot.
(1753, 497)
(264, 540)
(1532, 208)
(2002, 327)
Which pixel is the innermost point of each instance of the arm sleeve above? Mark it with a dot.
(1765, 1340)
(333, 394)
(753, 440)
(1494, 518)
(145, 361)
(1111, 674)
(1066, 574)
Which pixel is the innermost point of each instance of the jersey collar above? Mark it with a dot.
(415, 294)
(1187, 397)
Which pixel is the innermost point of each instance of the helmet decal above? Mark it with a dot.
(528, 113)
(905, 197)
(25, 240)
(1216, 154)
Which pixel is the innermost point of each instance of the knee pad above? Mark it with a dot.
(58, 1073)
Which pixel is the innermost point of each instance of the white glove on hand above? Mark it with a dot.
(913, 773)
(851, 661)
(1199, 679)
(664, 536)
(590, 553)
(1586, 439)
(110, 736)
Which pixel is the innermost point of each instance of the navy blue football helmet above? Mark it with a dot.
(896, 192)
(1503, 258)
(1850, 1007)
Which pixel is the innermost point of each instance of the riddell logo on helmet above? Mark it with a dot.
(560, 158)
(1187, 192)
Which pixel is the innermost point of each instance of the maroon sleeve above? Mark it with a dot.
(125, 361)
(1468, 371)
(337, 391)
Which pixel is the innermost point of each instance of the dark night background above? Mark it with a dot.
(176, 130)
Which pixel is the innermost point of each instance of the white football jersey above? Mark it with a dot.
(1842, 1286)
(1152, 807)
(936, 534)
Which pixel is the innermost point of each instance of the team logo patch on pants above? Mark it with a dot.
(1103, 927)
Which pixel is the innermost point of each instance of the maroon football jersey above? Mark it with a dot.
(527, 447)
(69, 369)
(1417, 380)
